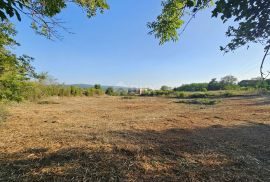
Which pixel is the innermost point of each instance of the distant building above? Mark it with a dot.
(133, 91)
(143, 90)
(137, 91)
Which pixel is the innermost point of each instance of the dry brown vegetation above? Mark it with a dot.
(140, 139)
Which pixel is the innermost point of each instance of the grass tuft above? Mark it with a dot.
(200, 101)
(3, 113)
(47, 102)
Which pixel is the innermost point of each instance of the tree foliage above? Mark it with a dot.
(109, 91)
(170, 20)
(228, 80)
(14, 71)
(43, 12)
(251, 22)
(193, 87)
(165, 88)
(97, 86)
(252, 19)
(214, 85)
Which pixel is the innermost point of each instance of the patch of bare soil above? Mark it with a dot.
(139, 139)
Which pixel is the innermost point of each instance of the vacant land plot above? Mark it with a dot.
(138, 139)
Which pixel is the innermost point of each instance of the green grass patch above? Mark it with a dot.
(3, 113)
(213, 94)
(200, 101)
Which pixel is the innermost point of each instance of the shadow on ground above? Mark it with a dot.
(240, 153)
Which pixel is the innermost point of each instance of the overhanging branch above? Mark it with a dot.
(264, 75)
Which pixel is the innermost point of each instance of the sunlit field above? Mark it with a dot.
(136, 138)
(131, 91)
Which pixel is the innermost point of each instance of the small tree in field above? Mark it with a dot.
(109, 91)
(165, 88)
(97, 86)
(214, 85)
(228, 80)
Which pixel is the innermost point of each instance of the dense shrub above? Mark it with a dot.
(15, 70)
(204, 90)
(10, 88)
(34, 91)
(128, 97)
(228, 94)
(122, 92)
(97, 86)
(199, 95)
(232, 87)
(109, 91)
(194, 87)
(181, 95)
(200, 101)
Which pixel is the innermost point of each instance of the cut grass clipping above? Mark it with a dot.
(3, 113)
(199, 101)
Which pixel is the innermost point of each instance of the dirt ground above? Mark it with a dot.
(141, 139)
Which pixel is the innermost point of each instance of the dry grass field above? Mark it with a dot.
(140, 139)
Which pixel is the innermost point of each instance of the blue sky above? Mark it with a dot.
(115, 49)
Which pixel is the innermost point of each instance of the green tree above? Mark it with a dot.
(109, 91)
(97, 86)
(228, 80)
(43, 77)
(193, 87)
(165, 88)
(214, 85)
(14, 71)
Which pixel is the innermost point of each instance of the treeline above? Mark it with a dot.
(225, 83)
(207, 94)
(227, 86)
(32, 91)
(37, 91)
